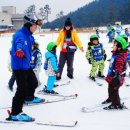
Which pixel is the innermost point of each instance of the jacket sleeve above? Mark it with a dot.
(59, 39)
(104, 52)
(76, 39)
(88, 53)
(119, 64)
(19, 41)
(53, 63)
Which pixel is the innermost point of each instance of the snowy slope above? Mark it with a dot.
(89, 93)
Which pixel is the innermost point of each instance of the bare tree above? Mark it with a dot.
(42, 13)
(60, 14)
(47, 10)
(30, 10)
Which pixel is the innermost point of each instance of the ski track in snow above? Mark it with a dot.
(89, 93)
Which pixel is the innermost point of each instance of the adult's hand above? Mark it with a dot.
(19, 53)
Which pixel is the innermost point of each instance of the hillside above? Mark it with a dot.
(96, 13)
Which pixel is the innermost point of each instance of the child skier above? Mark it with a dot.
(111, 34)
(51, 67)
(127, 32)
(116, 73)
(97, 33)
(36, 61)
(96, 56)
(118, 29)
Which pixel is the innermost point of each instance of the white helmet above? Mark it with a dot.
(32, 18)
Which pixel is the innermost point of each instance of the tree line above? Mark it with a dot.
(96, 13)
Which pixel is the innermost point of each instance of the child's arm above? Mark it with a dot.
(39, 60)
(119, 64)
(104, 54)
(119, 68)
(88, 55)
(53, 63)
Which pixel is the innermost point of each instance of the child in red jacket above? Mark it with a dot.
(116, 73)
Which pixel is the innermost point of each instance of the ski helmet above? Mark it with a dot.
(122, 42)
(125, 37)
(32, 19)
(51, 46)
(93, 37)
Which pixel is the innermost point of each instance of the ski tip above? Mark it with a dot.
(43, 100)
(8, 111)
(76, 122)
(76, 95)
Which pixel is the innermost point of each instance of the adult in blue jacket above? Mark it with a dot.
(21, 52)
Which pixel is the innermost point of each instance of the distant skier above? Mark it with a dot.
(36, 61)
(20, 63)
(118, 29)
(51, 67)
(97, 33)
(96, 56)
(116, 73)
(127, 32)
(111, 34)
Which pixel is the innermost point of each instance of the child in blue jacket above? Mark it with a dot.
(51, 67)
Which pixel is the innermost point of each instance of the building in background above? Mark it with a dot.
(17, 20)
(9, 9)
(9, 20)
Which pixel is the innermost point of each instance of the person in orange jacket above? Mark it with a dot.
(68, 41)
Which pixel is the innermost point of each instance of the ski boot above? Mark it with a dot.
(34, 101)
(70, 76)
(50, 92)
(115, 107)
(92, 78)
(20, 117)
(107, 101)
(100, 75)
(58, 78)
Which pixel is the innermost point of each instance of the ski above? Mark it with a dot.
(63, 84)
(59, 95)
(47, 101)
(58, 124)
(89, 110)
(96, 82)
(99, 107)
(127, 84)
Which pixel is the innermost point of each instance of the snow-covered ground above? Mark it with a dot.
(89, 93)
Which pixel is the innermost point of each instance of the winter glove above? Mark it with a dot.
(20, 54)
(89, 61)
(105, 57)
(117, 79)
(108, 79)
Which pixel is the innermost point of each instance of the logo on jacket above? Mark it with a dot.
(26, 43)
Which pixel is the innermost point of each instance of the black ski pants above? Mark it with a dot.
(113, 92)
(26, 85)
(66, 57)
